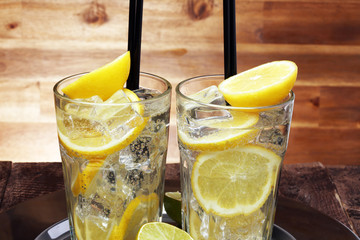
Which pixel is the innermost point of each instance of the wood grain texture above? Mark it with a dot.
(347, 182)
(314, 188)
(5, 169)
(44, 41)
(29, 180)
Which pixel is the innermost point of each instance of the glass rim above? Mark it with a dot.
(291, 97)
(77, 101)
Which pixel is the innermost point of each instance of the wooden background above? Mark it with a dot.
(42, 41)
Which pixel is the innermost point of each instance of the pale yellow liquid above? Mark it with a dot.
(273, 135)
(133, 173)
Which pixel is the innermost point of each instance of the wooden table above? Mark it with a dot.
(332, 190)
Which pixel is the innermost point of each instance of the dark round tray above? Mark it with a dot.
(29, 219)
(61, 231)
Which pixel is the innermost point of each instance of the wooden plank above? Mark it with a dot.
(347, 182)
(19, 107)
(29, 142)
(340, 107)
(306, 107)
(5, 170)
(257, 22)
(311, 22)
(330, 146)
(29, 180)
(50, 61)
(311, 185)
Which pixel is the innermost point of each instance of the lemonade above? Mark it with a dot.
(113, 148)
(231, 158)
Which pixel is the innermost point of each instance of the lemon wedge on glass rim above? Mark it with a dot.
(264, 85)
(103, 81)
(236, 181)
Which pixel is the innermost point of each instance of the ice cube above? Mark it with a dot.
(83, 110)
(146, 93)
(202, 113)
(152, 108)
(210, 95)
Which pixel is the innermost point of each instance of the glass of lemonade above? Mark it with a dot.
(113, 154)
(231, 159)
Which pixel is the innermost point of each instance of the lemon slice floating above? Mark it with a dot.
(104, 81)
(264, 85)
(227, 133)
(142, 209)
(236, 181)
(161, 231)
(85, 136)
(84, 177)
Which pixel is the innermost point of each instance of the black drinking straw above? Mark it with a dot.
(229, 21)
(134, 42)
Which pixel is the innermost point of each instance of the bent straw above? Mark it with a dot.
(229, 21)
(134, 42)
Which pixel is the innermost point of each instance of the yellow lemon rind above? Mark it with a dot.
(103, 81)
(266, 94)
(120, 230)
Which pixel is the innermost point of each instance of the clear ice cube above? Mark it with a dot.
(210, 95)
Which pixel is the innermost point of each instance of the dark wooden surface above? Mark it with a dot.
(332, 190)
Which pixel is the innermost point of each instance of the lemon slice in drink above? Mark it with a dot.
(104, 81)
(264, 85)
(204, 227)
(83, 134)
(236, 181)
(94, 137)
(79, 227)
(84, 177)
(161, 231)
(142, 209)
(92, 228)
(224, 134)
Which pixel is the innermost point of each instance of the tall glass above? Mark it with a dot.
(113, 155)
(231, 159)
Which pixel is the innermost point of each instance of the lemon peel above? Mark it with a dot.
(103, 81)
(264, 85)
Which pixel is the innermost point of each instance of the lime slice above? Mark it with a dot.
(233, 182)
(172, 204)
(264, 85)
(161, 231)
